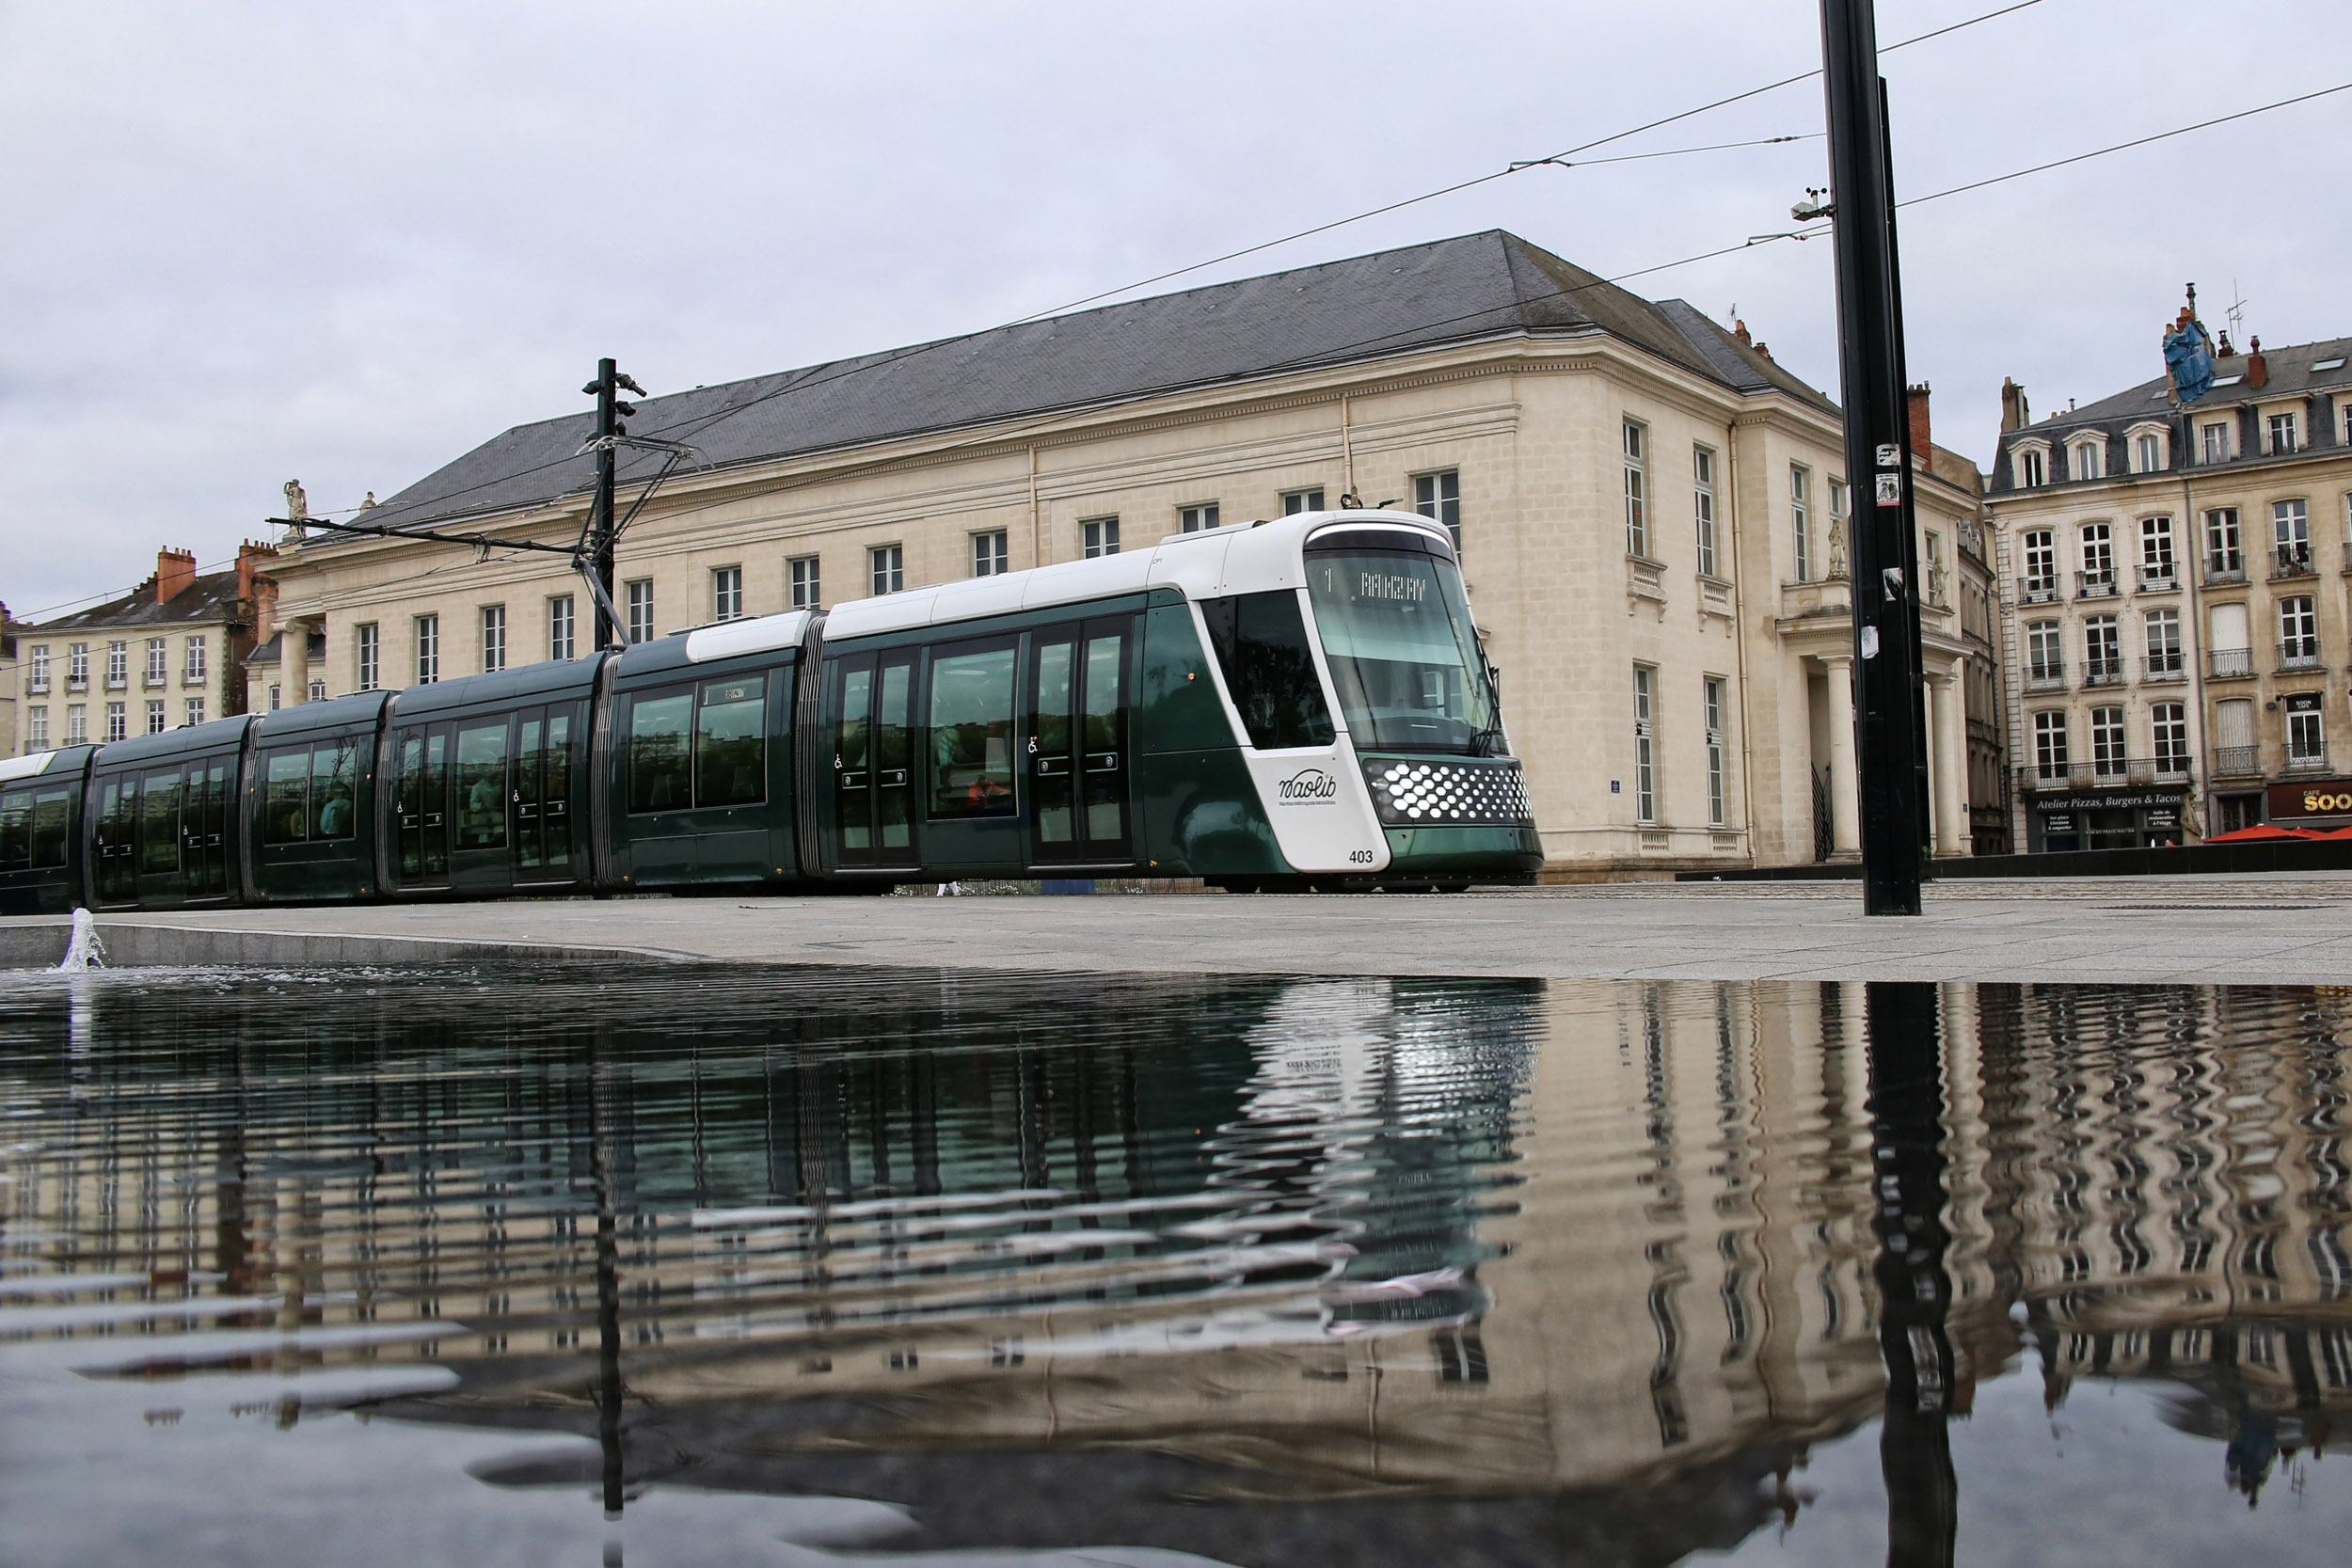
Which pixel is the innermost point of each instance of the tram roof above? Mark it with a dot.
(1363, 309)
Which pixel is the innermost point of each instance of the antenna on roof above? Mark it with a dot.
(2236, 311)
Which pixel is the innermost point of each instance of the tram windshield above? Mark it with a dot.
(1396, 629)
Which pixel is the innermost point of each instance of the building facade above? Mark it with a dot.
(170, 653)
(2173, 582)
(1649, 512)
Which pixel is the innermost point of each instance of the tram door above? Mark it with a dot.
(117, 832)
(542, 795)
(1079, 756)
(420, 802)
(866, 701)
(204, 828)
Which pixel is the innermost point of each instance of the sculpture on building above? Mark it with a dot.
(298, 510)
(2188, 353)
(1837, 550)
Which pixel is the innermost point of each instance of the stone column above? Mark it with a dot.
(1951, 745)
(294, 661)
(1845, 813)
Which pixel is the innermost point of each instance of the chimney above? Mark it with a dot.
(1921, 448)
(2257, 368)
(1739, 330)
(1763, 351)
(174, 571)
(2014, 414)
(257, 590)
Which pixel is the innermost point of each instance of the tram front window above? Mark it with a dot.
(1397, 633)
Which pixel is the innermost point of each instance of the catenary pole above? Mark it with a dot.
(1883, 550)
(603, 532)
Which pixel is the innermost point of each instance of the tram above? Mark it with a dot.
(1298, 705)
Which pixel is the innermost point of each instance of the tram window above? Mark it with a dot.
(16, 831)
(1404, 657)
(334, 789)
(659, 774)
(286, 797)
(556, 791)
(53, 810)
(1260, 643)
(482, 786)
(731, 743)
(159, 824)
(971, 728)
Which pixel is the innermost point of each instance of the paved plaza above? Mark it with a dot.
(2285, 930)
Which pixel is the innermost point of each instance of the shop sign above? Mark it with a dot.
(2106, 802)
(2056, 823)
(2320, 798)
(2163, 817)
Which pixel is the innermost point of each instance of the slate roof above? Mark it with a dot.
(212, 596)
(273, 650)
(1473, 287)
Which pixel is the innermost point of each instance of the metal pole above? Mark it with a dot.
(1886, 580)
(600, 543)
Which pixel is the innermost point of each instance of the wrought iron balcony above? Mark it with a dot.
(2164, 666)
(2095, 585)
(2290, 561)
(2229, 663)
(2038, 589)
(2218, 574)
(2045, 778)
(2237, 762)
(2298, 652)
(2307, 761)
(2102, 672)
(2158, 579)
(2045, 677)
(37, 685)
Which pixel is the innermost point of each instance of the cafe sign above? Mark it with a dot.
(2320, 798)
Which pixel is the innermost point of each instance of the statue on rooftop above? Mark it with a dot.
(298, 510)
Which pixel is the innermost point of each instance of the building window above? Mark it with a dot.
(1296, 501)
(2098, 545)
(2107, 742)
(198, 654)
(1801, 518)
(2031, 474)
(1099, 537)
(117, 723)
(118, 664)
(2163, 628)
(1645, 774)
(428, 653)
(1711, 702)
(37, 728)
(990, 556)
(77, 723)
(2148, 453)
(726, 593)
(2306, 743)
(2291, 532)
(2224, 558)
(2102, 655)
(37, 668)
(273, 696)
(493, 637)
(318, 691)
(1440, 495)
(2042, 580)
(2045, 657)
(1196, 520)
(1703, 507)
(1636, 493)
(196, 710)
(158, 660)
(889, 563)
(806, 591)
(640, 610)
(77, 663)
(563, 636)
(156, 722)
(2155, 551)
(2049, 746)
(2299, 631)
(2168, 727)
(2089, 460)
(2213, 443)
(2282, 435)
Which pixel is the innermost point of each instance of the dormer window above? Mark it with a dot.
(2029, 466)
(2284, 432)
(2213, 442)
(2089, 460)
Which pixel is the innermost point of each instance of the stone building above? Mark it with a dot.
(1649, 511)
(171, 652)
(2173, 649)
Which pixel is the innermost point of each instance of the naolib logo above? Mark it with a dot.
(1309, 787)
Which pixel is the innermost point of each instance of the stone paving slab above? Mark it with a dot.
(2277, 928)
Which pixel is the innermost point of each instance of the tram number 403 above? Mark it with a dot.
(1360, 857)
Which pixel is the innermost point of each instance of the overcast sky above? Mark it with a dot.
(255, 242)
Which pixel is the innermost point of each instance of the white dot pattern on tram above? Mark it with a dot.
(1449, 793)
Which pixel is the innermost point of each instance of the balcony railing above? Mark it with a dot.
(2045, 677)
(2307, 761)
(2158, 579)
(2229, 663)
(2298, 652)
(2115, 772)
(2095, 585)
(2102, 672)
(37, 685)
(2164, 666)
(2219, 574)
(156, 680)
(2290, 561)
(2237, 762)
(2037, 590)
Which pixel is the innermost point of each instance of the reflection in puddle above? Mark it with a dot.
(756, 1266)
